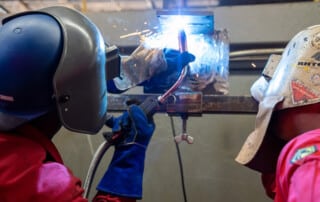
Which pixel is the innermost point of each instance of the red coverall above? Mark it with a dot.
(31, 169)
(297, 177)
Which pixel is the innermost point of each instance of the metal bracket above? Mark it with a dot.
(184, 103)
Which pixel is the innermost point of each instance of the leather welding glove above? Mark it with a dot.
(145, 63)
(162, 81)
(136, 68)
(124, 176)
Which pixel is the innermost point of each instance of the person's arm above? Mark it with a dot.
(51, 181)
(154, 69)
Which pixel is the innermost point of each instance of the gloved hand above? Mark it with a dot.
(137, 67)
(149, 67)
(124, 176)
(161, 82)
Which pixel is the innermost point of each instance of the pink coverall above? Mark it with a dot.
(31, 169)
(297, 178)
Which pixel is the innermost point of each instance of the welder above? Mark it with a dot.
(52, 74)
(285, 144)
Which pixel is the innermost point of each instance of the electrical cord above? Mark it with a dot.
(94, 166)
(180, 161)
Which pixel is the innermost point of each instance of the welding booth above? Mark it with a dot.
(218, 122)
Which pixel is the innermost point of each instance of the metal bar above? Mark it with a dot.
(255, 52)
(211, 104)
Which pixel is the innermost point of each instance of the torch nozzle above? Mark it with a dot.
(182, 38)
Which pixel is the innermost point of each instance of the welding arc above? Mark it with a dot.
(182, 38)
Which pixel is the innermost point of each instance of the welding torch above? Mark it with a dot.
(150, 104)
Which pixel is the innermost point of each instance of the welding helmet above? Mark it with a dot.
(287, 82)
(52, 58)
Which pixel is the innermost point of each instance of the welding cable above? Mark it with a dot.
(179, 161)
(93, 167)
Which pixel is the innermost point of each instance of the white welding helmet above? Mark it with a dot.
(294, 82)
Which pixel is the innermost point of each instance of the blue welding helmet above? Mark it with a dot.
(52, 58)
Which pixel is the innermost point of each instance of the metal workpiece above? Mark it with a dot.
(196, 105)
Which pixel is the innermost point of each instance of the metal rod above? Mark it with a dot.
(211, 104)
(265, 51)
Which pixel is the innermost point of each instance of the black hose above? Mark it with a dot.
(180, 162)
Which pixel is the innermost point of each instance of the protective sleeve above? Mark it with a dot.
(305, 182)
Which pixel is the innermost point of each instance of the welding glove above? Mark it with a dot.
(145, 63)
(124, 176)
(162, 81)
(139, 66)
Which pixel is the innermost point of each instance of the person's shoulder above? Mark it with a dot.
(21, 151)
(303, 147)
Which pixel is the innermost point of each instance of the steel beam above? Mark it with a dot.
(210, 104)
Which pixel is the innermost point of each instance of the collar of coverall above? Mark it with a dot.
(30, 132)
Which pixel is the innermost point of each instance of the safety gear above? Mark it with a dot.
(124, 175)
(138, 67)
(162, 81)
(52, 57)
(148, 66)
(27, 65)
(259, 87)
(295, 83)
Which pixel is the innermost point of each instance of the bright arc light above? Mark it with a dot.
(211, 52)
(168, 35)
